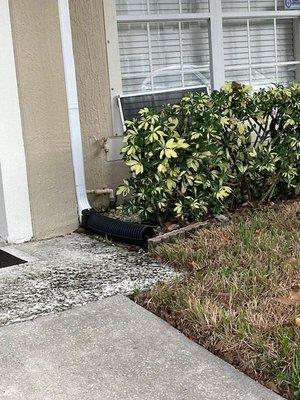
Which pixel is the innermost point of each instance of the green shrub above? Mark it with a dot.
(213, 152)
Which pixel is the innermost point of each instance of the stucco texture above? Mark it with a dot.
(90, 52)
(41, 85)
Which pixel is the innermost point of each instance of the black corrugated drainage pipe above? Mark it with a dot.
(89, 218)
(125, 232)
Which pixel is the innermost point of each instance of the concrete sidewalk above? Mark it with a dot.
(69, 271)
(113, 350)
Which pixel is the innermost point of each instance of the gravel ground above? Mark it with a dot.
(70, 271)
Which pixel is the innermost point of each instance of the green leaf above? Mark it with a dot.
(223, 192)
(170, 153)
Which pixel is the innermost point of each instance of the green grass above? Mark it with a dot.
(228, 300)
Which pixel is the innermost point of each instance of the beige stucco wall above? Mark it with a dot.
(39, 65)
(89, 42)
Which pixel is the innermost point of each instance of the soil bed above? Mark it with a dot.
(241, 297)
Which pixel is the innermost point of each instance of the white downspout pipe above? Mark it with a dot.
(73, 106)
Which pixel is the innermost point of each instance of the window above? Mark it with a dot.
(167, 44)
(259, 50)
(161, 55)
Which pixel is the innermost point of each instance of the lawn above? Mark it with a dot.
(241, 296)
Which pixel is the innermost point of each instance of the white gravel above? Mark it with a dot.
(69, 271)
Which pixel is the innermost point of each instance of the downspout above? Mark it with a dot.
(90, 219)
(73, 106)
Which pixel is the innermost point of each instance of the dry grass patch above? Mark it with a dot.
(241, 297)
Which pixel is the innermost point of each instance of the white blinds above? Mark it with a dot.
(161, 55)
(131, 7)
(157, 56)
(252, 5)
(254, 51)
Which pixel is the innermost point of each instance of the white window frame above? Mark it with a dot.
(215, 18)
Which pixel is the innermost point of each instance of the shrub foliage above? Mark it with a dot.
(213, 152)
